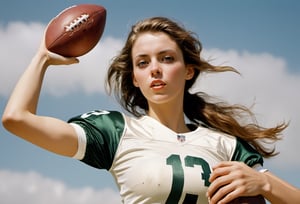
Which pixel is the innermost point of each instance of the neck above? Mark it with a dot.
(169, 116)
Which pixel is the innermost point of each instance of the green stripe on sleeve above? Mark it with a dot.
(244, 152)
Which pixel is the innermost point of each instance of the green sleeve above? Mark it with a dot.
(103, 131)
(244, 152)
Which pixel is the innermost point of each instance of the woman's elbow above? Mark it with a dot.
(10, 120)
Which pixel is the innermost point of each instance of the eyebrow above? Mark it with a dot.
(159, 53)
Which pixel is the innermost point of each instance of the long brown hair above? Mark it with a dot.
(199, 107)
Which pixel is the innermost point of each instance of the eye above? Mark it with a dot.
(168, 59)
(142, 63)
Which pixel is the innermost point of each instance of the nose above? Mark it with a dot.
(155, 70)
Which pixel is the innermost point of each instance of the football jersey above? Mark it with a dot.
(150, 162)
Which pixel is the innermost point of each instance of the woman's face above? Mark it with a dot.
(158, 68)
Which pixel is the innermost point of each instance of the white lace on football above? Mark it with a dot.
(77, 22)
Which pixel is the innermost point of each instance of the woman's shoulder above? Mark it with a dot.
(237, 148)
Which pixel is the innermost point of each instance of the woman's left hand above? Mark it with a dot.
(231, 179)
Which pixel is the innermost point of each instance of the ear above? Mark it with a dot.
(189, 72)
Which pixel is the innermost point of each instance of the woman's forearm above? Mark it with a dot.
(20, 118)
(26, 93)
(278, 191)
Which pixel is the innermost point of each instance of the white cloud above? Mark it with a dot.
(265, 82)
(88, 75)
(19, 42)
(31, 187)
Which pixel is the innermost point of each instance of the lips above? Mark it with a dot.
(157, 84)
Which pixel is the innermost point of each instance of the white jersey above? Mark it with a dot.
(150, 162)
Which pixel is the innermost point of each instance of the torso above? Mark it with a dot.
(158, 164)
(150, 162)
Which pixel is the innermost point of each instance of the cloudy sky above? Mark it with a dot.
(259, 38)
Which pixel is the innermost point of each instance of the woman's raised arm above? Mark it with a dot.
(20, 117)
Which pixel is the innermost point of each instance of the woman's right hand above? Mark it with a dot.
(53, 58)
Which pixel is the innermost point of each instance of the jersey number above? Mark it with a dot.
(178, 176)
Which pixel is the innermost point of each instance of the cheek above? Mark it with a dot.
(137, 78)
(177, 74)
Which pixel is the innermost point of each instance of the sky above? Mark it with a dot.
(260, 38)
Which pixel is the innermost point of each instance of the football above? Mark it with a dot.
(249, 200)
(76, 30)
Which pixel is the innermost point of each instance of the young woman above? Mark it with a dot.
(177, 147)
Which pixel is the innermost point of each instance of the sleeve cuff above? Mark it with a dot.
(81, 141)
(259, 168)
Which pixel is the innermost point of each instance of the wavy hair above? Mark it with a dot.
(198, 107)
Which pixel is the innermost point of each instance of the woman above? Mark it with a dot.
(156, 156)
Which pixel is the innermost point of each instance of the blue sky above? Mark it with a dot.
(259, 37)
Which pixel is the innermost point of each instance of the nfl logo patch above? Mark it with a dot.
(181, 138)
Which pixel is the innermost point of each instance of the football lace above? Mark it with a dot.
(77, 22)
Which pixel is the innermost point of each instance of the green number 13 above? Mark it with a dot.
(178, 175)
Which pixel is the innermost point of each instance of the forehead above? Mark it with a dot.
(152, 42)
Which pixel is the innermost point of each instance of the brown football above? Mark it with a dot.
(249, 200)
(76, 30)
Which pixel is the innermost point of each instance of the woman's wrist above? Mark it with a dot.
(266, 184)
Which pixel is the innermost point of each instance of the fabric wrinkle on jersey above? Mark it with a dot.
(148, 161)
